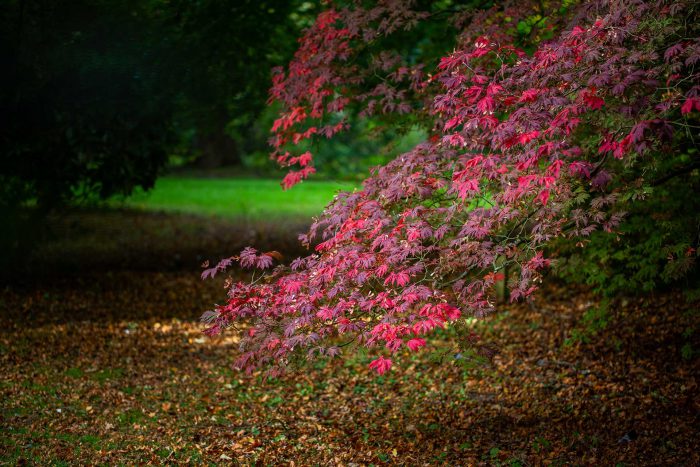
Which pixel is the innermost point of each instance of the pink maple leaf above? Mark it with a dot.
(527, 137)
(543, 197)
(304, 159)
(529, 95)
(486, 104)
(690, 104)
(380, 365)
(415, 344)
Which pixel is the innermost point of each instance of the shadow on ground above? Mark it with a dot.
(110, 240)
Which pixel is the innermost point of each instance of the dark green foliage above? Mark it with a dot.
(657, 244)
(655, 248)
(80, 106)
(219, 54)
(95, 95)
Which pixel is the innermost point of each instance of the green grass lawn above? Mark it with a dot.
(255, 199)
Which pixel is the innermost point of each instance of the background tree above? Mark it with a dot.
(99, 95)
(219, 56)
(82, 110)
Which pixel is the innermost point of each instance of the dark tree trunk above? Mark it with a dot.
(502, 291)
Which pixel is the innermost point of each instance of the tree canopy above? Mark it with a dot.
(97, 94)
(557, 131)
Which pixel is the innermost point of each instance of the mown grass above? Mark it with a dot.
(253, 199)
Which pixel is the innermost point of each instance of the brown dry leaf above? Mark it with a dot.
(275, 254)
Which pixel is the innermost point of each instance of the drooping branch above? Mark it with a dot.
(525, 150)
(686, 169)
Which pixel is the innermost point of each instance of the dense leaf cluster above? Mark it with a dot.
(580, 142)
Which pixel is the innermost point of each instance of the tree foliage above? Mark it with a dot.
(556, 129)
(218, 56)
(97, 94)
(81, 109)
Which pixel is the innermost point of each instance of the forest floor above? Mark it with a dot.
(103, 362)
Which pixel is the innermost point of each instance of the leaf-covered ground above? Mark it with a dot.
(109, 366)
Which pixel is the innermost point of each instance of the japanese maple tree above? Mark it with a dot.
(551, 126)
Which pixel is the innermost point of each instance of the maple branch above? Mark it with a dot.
(681, 171)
